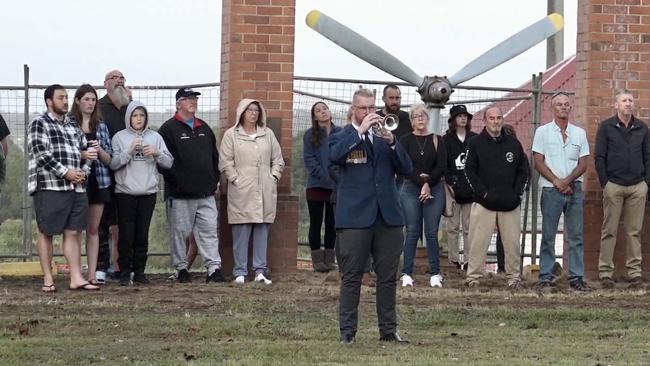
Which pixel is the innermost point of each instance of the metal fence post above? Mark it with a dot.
(27, 207)
(537, 113)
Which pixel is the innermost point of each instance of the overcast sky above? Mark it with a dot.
(156, 42)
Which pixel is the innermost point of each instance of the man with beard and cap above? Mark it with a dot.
(112, 107)
(58, 167)
(623, 166)
(392, 98)
(190, 185)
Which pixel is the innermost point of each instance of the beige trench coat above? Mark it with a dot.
(252, 168)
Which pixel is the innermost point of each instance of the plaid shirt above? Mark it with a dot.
(54, 147)
(102, 171)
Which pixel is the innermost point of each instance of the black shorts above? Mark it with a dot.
(58, 211)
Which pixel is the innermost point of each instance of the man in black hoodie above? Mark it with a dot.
(497, 172)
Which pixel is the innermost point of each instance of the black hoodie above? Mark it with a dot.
(497, 171)
(456, 155)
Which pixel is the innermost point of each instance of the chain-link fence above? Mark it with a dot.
(18, 233)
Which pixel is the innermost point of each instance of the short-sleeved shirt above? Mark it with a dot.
(560, 156)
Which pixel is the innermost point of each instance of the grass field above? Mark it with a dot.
(294, 322)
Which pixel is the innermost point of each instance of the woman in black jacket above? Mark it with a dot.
(456, 138)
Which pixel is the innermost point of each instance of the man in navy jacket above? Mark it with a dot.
(368, 216)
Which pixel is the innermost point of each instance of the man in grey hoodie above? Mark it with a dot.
(137, 152)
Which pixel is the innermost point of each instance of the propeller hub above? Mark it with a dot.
(435, 91)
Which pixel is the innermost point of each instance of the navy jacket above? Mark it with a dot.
(317, 161)
(366, 189)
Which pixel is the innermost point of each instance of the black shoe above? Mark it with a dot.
(347, 338)
(607, 283)
(392, 337)
(636, 283)
(579, 285)
(140, 278)
(216, 276)
(125, 279)
(184, 276)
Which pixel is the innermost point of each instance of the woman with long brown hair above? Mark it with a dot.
(85, 111)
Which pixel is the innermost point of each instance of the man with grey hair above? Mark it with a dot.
(112, 106)
(623, 166)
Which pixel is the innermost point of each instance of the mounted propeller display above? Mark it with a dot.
(434, 90)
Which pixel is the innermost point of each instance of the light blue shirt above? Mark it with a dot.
(560, 156)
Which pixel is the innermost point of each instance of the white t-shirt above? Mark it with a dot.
(560, 156)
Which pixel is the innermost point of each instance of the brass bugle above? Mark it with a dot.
(386, 125)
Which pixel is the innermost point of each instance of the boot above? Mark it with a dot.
(329, 259)
(317, 257)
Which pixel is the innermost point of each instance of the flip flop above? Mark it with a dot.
(48, 288)
(94, 282)
(86, 286)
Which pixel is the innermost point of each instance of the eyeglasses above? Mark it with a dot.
(116, 77)
(369, 108)
(252, 110)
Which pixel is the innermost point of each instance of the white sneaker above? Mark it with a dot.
(240, 280)
(262, 279)
(436, 281)
(100, 277)
(407, 281)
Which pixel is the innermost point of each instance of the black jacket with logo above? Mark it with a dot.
(456, 155)
(497, 171)
(195, 172)
(622, 154)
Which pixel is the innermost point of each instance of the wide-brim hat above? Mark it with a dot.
(459, 109)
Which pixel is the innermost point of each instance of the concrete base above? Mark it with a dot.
(23, 269)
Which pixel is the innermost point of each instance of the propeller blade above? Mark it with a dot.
(361, 47)
(510, 48)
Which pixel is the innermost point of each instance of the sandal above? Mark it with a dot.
(94, 282)
(86, 286)
(48, 288)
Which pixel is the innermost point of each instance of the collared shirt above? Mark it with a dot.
(102, 171)
(560, 156)
(54, 147)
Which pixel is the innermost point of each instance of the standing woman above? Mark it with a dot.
(138, 152)
(84, 110)
(252, 163)
(456, 138)
(320, 186)
(422, 194)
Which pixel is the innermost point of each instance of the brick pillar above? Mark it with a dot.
(613, 52)
(257, 42)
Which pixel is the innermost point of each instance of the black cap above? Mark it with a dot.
(185, 92)
(459, 109)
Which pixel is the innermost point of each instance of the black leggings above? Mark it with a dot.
(315, 222)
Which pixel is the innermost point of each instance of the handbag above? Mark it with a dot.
(450, 202)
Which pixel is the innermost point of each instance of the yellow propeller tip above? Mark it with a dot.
(557, 21)
(312, 18)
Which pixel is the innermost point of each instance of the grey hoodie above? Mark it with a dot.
(136, 174)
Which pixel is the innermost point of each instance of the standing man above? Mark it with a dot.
(112, 107)
(190, 185)
(560, 151)
(368, 215)
(56, 176)
(623, 166)
(496, 196)
(392, 98)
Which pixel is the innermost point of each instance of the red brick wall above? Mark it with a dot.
(613, 51)
(257, 43)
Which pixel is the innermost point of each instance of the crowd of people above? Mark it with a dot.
(96, 167)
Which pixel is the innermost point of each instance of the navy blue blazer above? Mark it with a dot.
(365, 187)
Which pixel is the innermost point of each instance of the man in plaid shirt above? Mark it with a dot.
(58, 167)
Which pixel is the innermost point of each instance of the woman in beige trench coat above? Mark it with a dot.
(251, 160)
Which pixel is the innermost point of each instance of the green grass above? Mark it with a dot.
(294, 322)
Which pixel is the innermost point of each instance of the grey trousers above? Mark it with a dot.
(354, 246)
(241, 235)
(198, 216)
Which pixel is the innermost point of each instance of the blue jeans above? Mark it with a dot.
(553, 205)
(415, 212)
